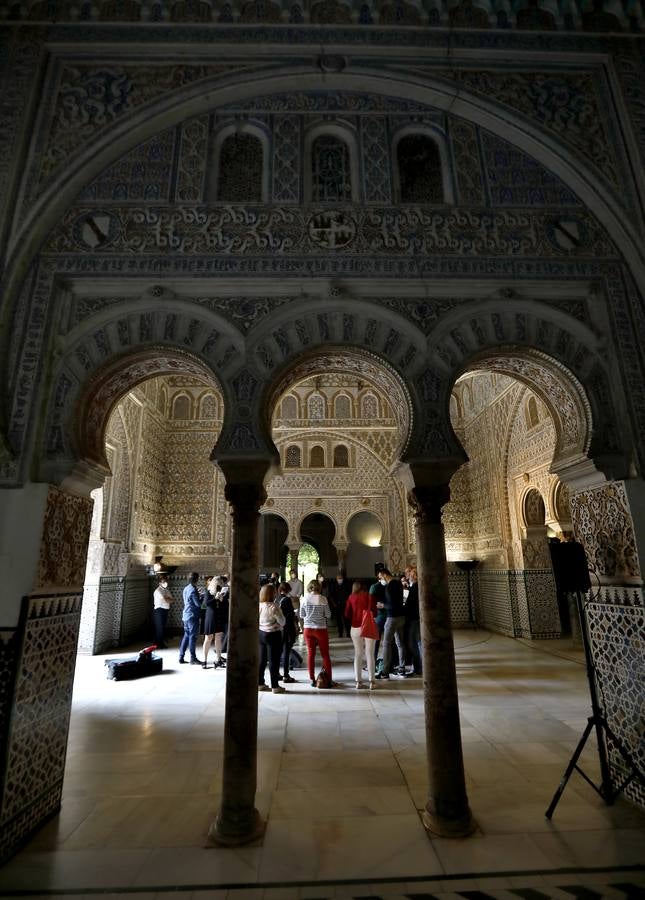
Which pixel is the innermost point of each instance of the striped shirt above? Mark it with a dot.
(315, 611)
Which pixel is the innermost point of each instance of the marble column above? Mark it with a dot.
(446, 812)
(294, 550)
(341, 551)
(238, 821)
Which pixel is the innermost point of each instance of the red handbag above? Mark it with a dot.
(369, 628)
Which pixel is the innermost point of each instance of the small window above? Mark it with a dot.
(369, 407)
(534, 512)
(317, 458)
(341, 457)
(239, 175)
(316, 406)
(331, 180)
(342, 407)
(419, 164)
(181, 407)
(290, 408)
(292, 457)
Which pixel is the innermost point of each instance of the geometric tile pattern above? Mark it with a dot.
(617, 637)
(544, 621)
(38, 730)
(459, 605)
(494, 602)
(111, 591)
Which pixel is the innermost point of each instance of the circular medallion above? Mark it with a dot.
(332, 229)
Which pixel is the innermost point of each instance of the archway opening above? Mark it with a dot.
(521, 418)
(272, 544)
(365, 534)
(340, 421)
(161, 507)
(318, 530)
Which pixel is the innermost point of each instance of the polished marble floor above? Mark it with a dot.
(341, 780)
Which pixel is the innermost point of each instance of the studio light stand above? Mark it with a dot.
(597, 721)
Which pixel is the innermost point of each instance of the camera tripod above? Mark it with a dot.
(596, 721)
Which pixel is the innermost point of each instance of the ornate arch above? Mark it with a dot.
(126, 331)
(332, 358)
(555, 356)
(315, 511)
(90, 405)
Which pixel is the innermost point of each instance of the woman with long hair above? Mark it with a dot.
(358, 602)
(315, 611)
(215, 621)
(271, 625)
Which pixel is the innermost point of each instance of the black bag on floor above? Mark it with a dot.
(295, 659)
(145, 663)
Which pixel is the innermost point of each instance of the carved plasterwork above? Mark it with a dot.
(90, 98)
(104, 391)
(602, 522)
(66, 531)
(238, 230)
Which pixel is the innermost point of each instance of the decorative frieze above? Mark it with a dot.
(242, 230)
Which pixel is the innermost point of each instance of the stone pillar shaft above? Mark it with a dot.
(238, 820)
(447, 812)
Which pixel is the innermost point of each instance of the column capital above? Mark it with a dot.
(427, 502)
(245, 500)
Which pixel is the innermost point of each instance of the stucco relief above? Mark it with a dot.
(66, 531)
(603, 524)
(103, 393)
(568, 104)
(236, 230)
(90, 98)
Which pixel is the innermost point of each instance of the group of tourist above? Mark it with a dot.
(215, 599)
(382, 622)
(392, 604)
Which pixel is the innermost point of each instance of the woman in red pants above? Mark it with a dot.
(315, 611)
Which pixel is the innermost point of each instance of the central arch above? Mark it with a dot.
(328, 359)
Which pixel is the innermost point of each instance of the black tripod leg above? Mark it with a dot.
(569, 770)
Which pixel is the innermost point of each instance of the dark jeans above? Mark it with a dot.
(341, 622)
(271, 647)
(189, 638)
(161, 618)
(413, 644)
(288, 640)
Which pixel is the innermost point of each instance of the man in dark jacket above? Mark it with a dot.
(412, 623)
(339, 591)
(394, 623)
(289, 630)
(190, 619)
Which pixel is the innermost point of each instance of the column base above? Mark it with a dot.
(222, 835)
(439, 826)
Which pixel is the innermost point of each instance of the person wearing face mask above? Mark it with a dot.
(162, 598)
(339, 591)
